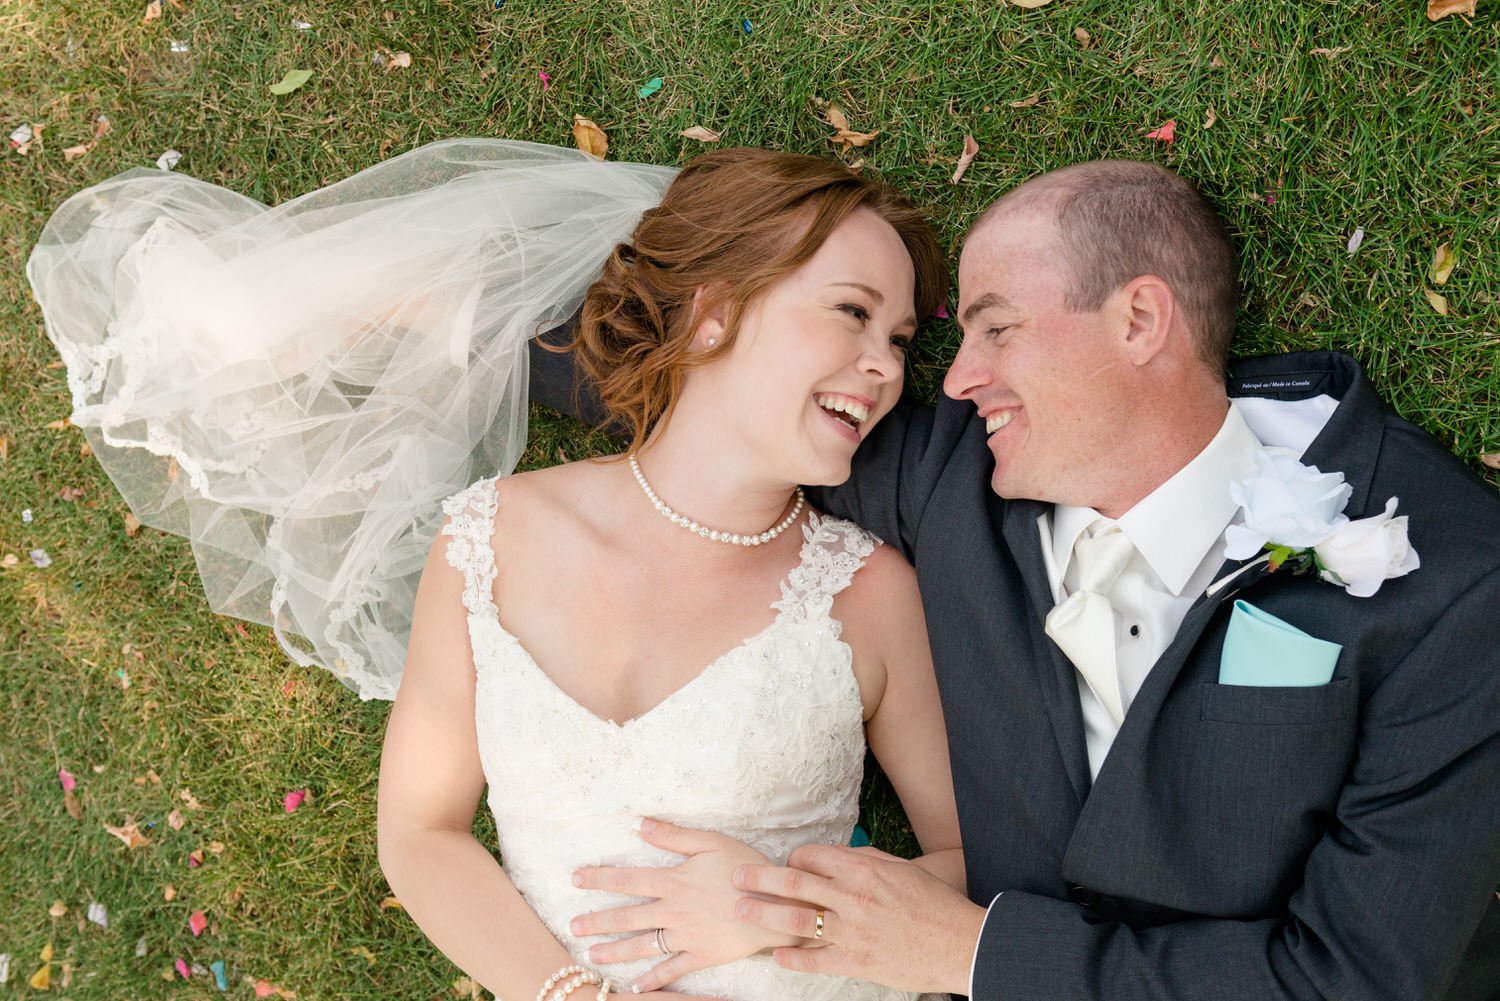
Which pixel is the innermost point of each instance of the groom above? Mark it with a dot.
(1178, 775)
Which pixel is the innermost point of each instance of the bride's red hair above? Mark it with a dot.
(733, 223)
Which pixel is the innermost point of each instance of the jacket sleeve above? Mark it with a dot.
(1391, 894)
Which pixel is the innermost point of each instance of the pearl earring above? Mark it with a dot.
(712, 341)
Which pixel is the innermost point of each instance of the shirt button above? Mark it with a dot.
(1135, 630)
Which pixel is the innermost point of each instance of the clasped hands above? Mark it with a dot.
(846, 911)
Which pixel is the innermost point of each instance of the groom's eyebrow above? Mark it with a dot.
(990, 300)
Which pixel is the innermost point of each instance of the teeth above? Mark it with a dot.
(995, 422)
(844, 405)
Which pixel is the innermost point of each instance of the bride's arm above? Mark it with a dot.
(430, 785)
(904, 726)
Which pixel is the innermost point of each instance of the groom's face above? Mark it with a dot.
(1047, 382)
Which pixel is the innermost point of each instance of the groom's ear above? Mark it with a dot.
(1148, 311)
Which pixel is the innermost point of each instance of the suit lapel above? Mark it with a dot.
(1055, 673)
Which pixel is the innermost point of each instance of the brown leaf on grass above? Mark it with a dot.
(1444, 260)
(392, 904)
(153, 12)
(1330, 54)
(398, 61)
(1083, 38)
(174, 820)
(101, 126)
(70, 494)
(1215, 63)
(169, 893)
(74, 152)
(58, 909)
(216, 847)
(186, 795)
(71, 804)
(843, 136)
(701, 134)
(132, 524)
(1211, 117)
(589, 137)
(1438, 302)
(1491, 459)
(177, 4)
(1027, 102)
(971, 150)
(130, 833)
(4, 447)
(1439, 9)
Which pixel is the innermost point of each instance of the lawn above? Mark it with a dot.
(1304, 121)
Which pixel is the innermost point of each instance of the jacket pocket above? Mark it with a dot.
(1259, 706)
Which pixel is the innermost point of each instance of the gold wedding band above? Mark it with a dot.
(818, 923)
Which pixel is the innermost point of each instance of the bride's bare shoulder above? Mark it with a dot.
(565, 497)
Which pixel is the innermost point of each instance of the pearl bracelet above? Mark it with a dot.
(564, 986)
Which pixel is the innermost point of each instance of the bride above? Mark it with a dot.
(289, 387)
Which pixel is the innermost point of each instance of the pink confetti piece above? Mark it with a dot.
(182, 968)
(197, 923)
(1166, 131)
(194, 861)
(294, 799)
(69, 783)
(263, 989)
(942, 311)
(546, 79)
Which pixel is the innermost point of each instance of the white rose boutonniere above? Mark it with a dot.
(1294, 515)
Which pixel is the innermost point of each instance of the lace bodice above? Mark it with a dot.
(766, 745)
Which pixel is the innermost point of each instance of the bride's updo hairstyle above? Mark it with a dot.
(733, 223)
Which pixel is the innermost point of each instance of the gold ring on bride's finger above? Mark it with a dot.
(818, 922)
(661, 942)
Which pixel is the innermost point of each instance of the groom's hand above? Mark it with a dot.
(883, 918)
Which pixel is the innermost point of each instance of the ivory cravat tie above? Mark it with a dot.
(1083, 624)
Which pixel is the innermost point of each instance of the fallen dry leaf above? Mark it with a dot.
(74, 152)
(398, 61)
(701, 134)
(391, 904)
(132, 524)
(174, 820)
(1215, 63)
(169, 892)
(1083, 38)
(130, 834)
(153, 11)
(1030, 4)
(1444, 261)
(971, 150)
(1211, 117)
(1439, 9)
(186, 795)
(1491, 459)
(101, 126)
(1027, 102)
(589, 137)
(843, 136)
(1331, 53)
(1439, 303)
(58, 909)
(59, 425)
(363, 953)
(71, 804)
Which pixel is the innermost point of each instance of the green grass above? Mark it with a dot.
(1397, 135)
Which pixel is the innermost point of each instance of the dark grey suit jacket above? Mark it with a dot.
(1341, 841)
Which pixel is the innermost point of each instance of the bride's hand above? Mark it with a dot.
(693, 905)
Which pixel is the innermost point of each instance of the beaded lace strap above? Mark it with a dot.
(832, 550)
(471, 514)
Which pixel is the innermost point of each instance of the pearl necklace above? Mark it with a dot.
(715, 535)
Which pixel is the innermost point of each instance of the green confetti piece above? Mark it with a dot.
(290, 82)
(651, 87)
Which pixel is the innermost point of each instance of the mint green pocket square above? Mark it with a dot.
(1262, 651)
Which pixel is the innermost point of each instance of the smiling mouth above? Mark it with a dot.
(843, 408)
(994, 422)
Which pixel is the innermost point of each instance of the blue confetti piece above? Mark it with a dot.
(651, 87)
(499, 4)
(859, 839)
(746, 26)
(220, 978)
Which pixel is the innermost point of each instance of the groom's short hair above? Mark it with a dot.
(1119, 219)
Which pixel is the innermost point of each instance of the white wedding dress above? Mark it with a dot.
(765, 745)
